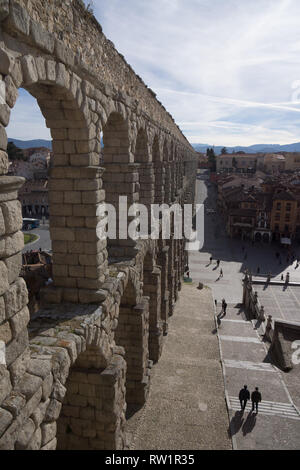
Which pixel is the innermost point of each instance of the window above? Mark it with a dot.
(278, 206)
(277, 216)
(287, 218)
(288, 206)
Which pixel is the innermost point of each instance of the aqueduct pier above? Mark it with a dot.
(68, 374)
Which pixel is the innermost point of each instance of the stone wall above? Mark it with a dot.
(68, 374)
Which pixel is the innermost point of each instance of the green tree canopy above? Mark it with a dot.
(14, 152)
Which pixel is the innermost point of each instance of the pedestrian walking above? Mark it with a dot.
(221, 272)
(244, 396)
(224, 307)
(282, 277)
(258, 270)
(255, 398)
(218, 262)
(216, 302)
(210, 260)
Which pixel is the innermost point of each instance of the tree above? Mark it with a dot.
(224, 151)
(211, 158)
(14, 152)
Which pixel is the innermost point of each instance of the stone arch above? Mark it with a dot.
(116, 140)
(143, 157)
(167, 167)
(159, 170)
(132, 334)
(120, 179)
(74, 186)
(152, 289)
(142, 154)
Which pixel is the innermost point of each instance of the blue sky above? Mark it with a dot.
(227, 71)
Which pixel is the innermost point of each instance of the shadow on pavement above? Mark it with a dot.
(236, 423)
(249, 424)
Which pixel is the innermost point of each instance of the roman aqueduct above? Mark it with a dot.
(70, 372)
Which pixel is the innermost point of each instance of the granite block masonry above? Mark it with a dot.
(68, 374)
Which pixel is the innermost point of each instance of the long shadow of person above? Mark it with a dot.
(236, 423)
(249, 423)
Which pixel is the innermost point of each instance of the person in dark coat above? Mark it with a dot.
(255, 398)
(244, 396)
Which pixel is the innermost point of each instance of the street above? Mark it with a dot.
(43, 242)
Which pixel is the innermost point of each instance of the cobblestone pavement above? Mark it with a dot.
(245, 362)
(186, 407)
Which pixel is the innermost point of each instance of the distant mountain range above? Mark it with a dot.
(264, 148)
(26, 144)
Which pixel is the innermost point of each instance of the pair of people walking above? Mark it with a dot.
(244, 396)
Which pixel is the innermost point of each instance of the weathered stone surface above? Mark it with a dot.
(5, 420)
(4, 114)
(28, 385)
(19, 321)
(53, 410)
(18, 18)
(17, 74)
(13, 265)
(14, 243)
(16, 347)
(77, 108)
(2, 310)
(3, 139)
(14, 403)
(40, 367)
(38, 414)
(30, 74)
(59, 391)
(47, 386)
(16, 297)
(3, 163)
(48, 432)
(18, 368)
(50, 445)
(3, 278)
(25, 435)
(5, 332)
(5, 384)
(12, 213)
(36, 441)
(42, 38)
(11, 91)
(41, 68)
